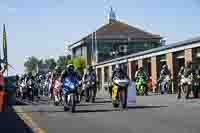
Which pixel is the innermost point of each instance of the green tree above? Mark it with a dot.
(79, 63)
(51, 63)
(31, 64)
(62, 62)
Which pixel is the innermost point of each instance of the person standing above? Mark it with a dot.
(2, 79)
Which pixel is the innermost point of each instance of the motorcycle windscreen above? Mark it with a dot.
(69, 85)
(131, 99)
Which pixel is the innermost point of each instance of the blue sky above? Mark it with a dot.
(40, 27)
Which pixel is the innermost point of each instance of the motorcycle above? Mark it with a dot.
(186, 85)
(119, 92)
(165, 85)
(70, 88)
(141, 86)
(90, 91)
(57, 97)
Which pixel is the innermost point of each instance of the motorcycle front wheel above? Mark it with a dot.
(72, 103)
(123, 98)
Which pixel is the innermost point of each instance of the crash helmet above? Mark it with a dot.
(188, 64)
(140, 68)
(70, 68)
(181, 69)
(117, 67)
(165, 66)
(90, 68)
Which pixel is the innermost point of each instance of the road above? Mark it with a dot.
(152, 114)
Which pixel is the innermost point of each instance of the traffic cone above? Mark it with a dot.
(2, 100)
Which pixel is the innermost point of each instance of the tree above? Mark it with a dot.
(62, 62)
(79, 63)
(31, 64)
(51, 63)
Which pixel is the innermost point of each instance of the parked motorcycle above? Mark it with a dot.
(119, 92)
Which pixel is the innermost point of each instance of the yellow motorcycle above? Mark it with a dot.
(119, 92)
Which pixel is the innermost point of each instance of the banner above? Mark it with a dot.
(131, 100)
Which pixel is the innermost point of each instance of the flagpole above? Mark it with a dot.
(96, 49)
(92, 48)
(5, 58)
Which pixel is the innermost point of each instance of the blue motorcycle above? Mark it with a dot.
(70, 88)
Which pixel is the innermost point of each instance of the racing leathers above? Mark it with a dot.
(90, 85)
(165, 77)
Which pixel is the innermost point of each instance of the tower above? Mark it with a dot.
(112, 15)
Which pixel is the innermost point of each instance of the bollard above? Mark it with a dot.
(2, 100)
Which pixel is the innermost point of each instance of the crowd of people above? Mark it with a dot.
(31, 87)
(34, 86)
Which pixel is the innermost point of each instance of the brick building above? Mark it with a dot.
(174, 55)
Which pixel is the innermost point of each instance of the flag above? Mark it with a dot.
(5, 57)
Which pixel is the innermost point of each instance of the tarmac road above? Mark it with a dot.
(152, 114)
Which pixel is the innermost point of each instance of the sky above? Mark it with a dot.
(40, 27)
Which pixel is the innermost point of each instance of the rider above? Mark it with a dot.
(90, 75)
(141, 74)
(70, 72)
(165, 72)
(188, 76)
(196, 85)
(180, 74)
(119, 73)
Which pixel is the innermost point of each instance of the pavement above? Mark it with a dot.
(152, 114)
(10, 122)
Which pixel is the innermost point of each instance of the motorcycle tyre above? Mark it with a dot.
(123, 98)
(72, 103)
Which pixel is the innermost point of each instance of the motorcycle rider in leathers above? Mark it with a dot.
(90, 76)
(188, 76)
(165, 76)
(141, 73)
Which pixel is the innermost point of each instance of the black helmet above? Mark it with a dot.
(117, 67)
(90, 68)
(140, 68)
(165, 66)
(70, 68)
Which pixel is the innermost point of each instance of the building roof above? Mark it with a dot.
(165, 47)
(120, 30)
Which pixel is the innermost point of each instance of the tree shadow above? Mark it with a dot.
(10, 122)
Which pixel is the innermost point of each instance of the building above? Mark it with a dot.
(174, 55)
(113, 40)
(119, 43)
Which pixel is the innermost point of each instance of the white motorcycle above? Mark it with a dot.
(186, 85)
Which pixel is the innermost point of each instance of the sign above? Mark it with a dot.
(131, 99)
(43, 68)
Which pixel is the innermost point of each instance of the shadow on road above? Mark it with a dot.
(146, 107)
(91, 104)
(96, 110)
(103, 101)
(10, 122)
